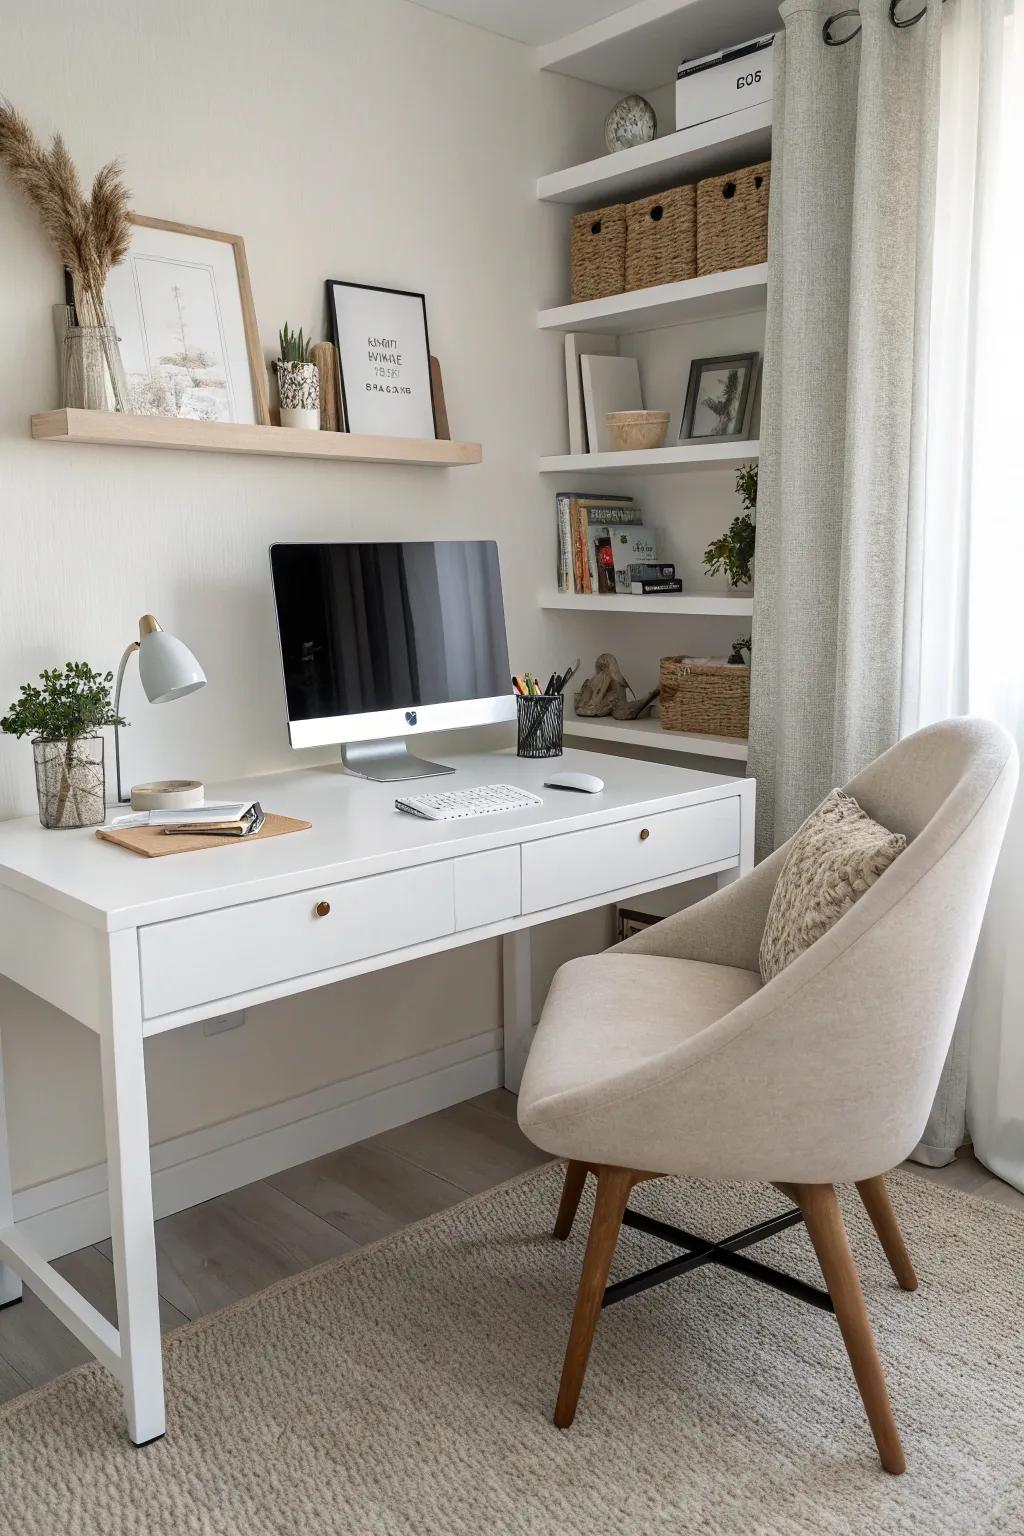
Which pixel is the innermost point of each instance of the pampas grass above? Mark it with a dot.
(91, 234)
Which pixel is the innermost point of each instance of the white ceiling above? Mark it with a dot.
(528, 21)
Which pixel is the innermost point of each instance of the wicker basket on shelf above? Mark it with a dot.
(704, 697)
(732, 219)
(661, 238)
(597, 260)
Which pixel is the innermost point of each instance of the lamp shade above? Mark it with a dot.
(167, 667)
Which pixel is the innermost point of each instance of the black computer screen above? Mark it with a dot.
(368, 627)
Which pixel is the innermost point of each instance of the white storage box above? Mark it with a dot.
(724, 82)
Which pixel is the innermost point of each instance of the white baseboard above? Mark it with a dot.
(70, 1212)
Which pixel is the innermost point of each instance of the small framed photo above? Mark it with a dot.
(182, 308)
(383, 359)
(630, 922)
(719, 397)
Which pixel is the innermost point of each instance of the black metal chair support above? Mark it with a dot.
(727, 1253)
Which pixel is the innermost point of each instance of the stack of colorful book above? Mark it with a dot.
(604, 547)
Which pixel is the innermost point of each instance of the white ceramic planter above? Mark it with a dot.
(299, 387)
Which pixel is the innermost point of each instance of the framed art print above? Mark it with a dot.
(719, 396)
(182, 308)
(383, 359)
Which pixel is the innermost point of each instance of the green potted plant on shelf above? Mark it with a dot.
(298, 383)
(733, 553)
(63, 717)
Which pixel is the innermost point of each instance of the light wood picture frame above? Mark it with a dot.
(196, 301)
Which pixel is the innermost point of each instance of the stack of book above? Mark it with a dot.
(604, 547)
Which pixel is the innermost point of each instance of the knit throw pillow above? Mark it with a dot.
(836, 856)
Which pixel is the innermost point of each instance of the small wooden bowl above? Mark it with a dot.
(637, 429)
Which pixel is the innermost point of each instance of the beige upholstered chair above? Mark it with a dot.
(667, 1055)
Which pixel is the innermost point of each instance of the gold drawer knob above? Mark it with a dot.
(645, 833)
(322, 908)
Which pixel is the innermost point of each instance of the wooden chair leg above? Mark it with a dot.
(883, 1218)
(572, 1189)
(825, 1226)
(613, 1187)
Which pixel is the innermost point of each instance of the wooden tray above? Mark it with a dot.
(153, 843)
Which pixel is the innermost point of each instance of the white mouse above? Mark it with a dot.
(589, 783)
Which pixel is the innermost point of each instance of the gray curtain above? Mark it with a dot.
(843, 414)
(853, 169)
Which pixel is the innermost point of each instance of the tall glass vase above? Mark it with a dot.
(70, 781)
(86, 380)
(93, 371)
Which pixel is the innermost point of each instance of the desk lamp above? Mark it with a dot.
(168, 670)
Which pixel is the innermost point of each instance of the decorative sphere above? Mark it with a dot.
(631, 121)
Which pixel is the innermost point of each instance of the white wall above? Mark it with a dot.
(368, 139)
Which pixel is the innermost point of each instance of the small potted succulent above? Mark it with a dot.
(733, 553)
(63, 717)
(298, 383)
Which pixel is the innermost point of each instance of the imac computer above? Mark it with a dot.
(381, 641)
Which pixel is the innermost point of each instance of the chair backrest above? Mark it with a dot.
(893, 971)
(830, 1070)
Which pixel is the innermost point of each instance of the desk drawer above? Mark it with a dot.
(560, 870)
(194, 960)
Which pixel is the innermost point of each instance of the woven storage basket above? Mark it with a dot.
(597, 260)
(706, 698)
(732, 219)
(661, 238)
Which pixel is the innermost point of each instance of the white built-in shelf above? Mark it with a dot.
(680, 456)
(113, 429)
(650, 309)
(639, 47)
(649, 734)
(707, 605)
(742, 138)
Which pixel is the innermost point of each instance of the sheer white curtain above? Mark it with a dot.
(964, 608)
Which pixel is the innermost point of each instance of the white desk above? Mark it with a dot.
(133, 946)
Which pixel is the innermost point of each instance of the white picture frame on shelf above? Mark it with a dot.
(383, 359)
(609, 384)
(181, 305)
(576, 344)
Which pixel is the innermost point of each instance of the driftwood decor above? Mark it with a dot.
(607, 693)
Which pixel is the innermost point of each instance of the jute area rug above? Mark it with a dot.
(407, 1388)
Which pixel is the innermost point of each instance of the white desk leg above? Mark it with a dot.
(517, 998)
(10, 1283)
(126, 1117)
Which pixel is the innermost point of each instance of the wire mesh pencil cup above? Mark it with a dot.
(540, 724)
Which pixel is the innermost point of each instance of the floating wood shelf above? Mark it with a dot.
(649, 734)
(709, 605)
(738, 292)
(742, 138)
(681, 456)
(115, 430)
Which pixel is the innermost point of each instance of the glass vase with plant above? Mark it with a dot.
(64, 715)
(733, 553)
(92, 232)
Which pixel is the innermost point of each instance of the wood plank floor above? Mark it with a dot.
(214, 1253)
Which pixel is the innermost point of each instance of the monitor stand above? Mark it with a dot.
(388, 760)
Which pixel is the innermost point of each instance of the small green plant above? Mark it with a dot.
(71, 703)
(734, 551)
(294, 349)
(736, 657)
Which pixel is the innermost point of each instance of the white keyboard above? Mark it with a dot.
(454, 804)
